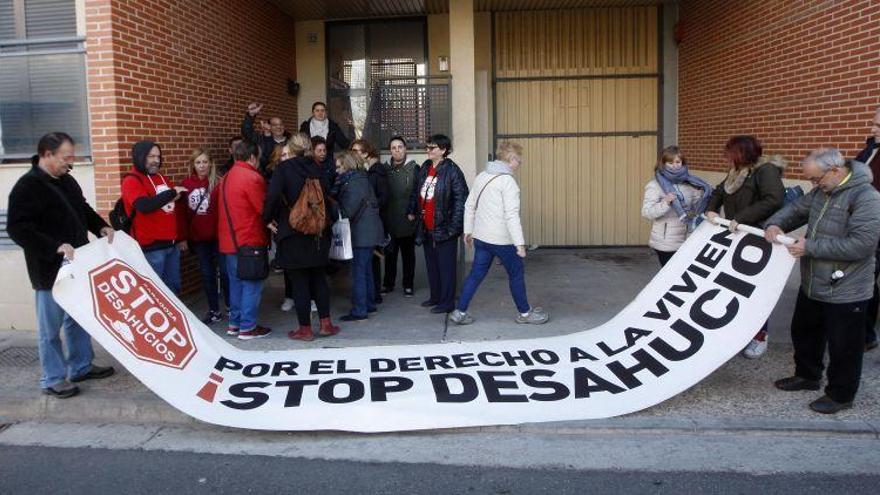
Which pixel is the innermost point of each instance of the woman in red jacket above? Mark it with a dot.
(201, 229)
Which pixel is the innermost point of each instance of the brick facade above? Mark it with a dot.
(180, 73)
(798, 74)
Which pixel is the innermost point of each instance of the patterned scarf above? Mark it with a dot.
(668, 179)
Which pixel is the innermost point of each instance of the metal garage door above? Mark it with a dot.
(580, 90)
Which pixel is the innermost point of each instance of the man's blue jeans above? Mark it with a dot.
(166, 264)
(209, 261)
(56, 367)
(484, 253)
(363, 291)
(244, 297)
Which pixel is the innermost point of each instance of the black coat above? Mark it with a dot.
(761, 195)
(450, 193)
(266, 143)
(358, 203)
(335, 136)
(40, 220)
(295, 249)
(378, 177)
(870, 144)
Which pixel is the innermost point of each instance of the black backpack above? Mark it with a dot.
(119, 219)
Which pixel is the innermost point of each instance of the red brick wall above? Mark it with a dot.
(181, 73)
(797, 74)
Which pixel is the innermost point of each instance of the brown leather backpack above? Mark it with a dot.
(309, 215)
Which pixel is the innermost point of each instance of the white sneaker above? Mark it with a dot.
(287, 305)
(460, 318)
(755, 349)
(314, 307)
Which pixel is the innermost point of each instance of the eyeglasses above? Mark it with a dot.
(816, 180)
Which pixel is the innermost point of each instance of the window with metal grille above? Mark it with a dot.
(42, 76)
(378, 85)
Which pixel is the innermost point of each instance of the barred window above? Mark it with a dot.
(42, 76)
(378, 85)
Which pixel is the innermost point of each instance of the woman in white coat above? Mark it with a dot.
(492, 225)
(674, 200)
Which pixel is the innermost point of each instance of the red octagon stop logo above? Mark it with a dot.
(140, 316)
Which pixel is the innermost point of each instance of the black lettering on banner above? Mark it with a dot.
(342, 368)
(530, 379)
(693, 336)
(464, 360)
(710, 255)
(544, 356)
(632, 336)
(662, 312)
(734, 284)
(437, 362)
(255, 398)
(327, 391)
(380, 386)
(483, 357)
(378, 365)
(577, 354)
(442, 392)
(520, 356)
(321, 367)
(745, 266)
(645, 361)
(673, 299)
(294, 390)
(724, 237)
(707, 321)
(701, 272)
(227, 364)
(410, 364)
(586, 382)
(286, 367)
(492, 386)
(254, 370)
(688, 286)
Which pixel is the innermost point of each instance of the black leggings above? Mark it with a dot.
(307, 285)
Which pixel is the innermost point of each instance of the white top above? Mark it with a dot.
(496, 219)
(319, 127)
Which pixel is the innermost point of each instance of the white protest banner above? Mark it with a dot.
(700, 310)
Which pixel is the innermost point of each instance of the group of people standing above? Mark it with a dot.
(838, 301)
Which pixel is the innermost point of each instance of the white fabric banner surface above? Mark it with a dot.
(700, 310)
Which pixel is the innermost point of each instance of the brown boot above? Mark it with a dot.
(303, 333)
(327, 328)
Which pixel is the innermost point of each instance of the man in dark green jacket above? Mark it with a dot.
(837, 275)
(401, 173)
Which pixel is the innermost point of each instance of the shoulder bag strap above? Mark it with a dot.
(484, 188)
(228, 216)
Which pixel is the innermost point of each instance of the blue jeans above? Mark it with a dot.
(166, 264)
(244, 297)
(208, 257)
(363, 292)
(484, 253)
(57, 367)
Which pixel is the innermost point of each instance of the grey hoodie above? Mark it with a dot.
(843, 227)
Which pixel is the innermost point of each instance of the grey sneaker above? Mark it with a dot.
(535, 316)
(460, 318)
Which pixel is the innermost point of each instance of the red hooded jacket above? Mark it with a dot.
(201, 209)
(244, 190)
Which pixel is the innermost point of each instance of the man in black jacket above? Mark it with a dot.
(266, 137)
(871, 156)
(320, 125)
(49, 218)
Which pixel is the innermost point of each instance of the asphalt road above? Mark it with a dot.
(34, 470)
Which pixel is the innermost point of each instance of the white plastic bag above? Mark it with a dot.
(340, 244)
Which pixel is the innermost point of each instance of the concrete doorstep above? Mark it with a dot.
(739, 397)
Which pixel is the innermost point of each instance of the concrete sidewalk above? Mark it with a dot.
(580, 288)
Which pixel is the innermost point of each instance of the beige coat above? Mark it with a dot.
(668, 233)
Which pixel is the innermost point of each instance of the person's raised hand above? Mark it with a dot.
(254, 109)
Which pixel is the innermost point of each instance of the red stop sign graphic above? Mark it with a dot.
(140, 316)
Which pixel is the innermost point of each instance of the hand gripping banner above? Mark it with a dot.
(700, 310)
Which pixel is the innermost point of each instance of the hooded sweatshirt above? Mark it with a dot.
(495, 219)
(155, 225)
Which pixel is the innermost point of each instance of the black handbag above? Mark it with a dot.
(253, 261)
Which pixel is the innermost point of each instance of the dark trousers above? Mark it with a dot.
(840, 327)
(362, 296)
(873, 304)
(210, 266)
(664, 256)
(376, 266)
(406, 246)
(441, 261)
(307, 285)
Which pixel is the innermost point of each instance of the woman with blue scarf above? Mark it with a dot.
(674, 200)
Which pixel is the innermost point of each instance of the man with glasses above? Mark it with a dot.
(871, 156)
(837, 275)
(270, 134)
